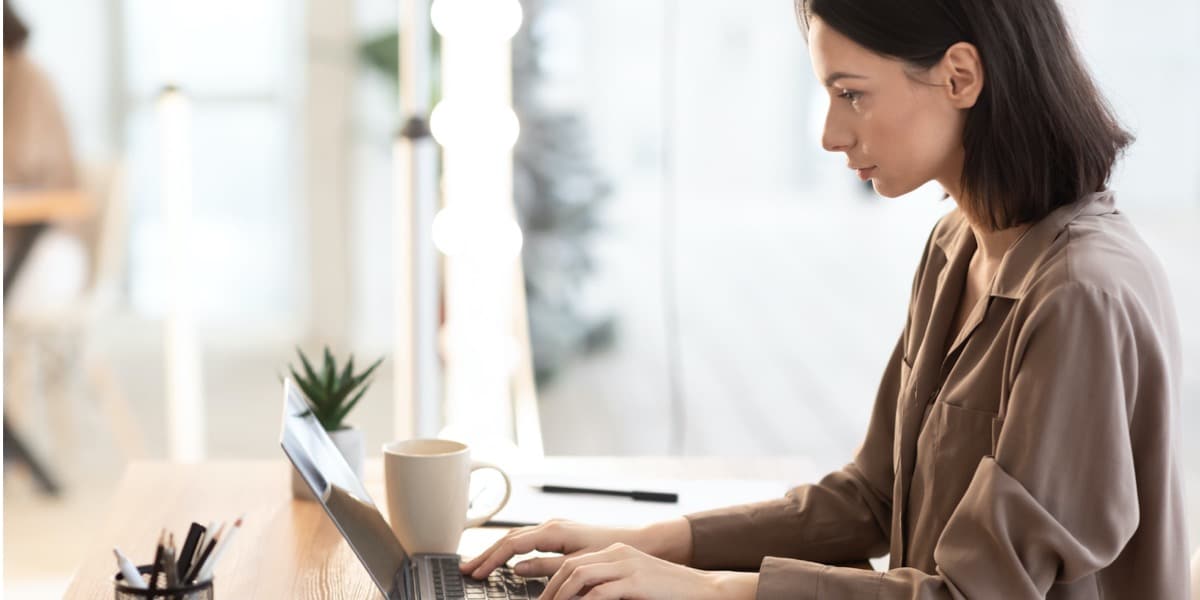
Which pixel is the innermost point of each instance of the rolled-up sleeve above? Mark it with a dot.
(1057, 501)
(845, 517)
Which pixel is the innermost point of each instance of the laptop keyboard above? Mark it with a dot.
(450, 584)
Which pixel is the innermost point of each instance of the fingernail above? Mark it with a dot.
(478, 574)
(521, 568)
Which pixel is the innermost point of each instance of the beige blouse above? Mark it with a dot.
(1037, 459)
(37, 149)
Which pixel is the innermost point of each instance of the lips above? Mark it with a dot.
(864, 173)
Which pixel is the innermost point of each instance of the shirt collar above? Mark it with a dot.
(1016, 268)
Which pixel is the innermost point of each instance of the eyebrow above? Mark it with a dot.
(841, 75)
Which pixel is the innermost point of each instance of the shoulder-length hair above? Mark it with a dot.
(1040, 135)
(15, 30)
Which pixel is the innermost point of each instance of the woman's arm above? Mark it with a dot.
(846, 517)
(669, 540)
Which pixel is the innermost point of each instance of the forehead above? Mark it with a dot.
(831, 52)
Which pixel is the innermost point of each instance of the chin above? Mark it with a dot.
(889, 189)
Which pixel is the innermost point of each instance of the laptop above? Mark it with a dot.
(398, 575)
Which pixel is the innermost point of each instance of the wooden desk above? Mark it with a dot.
(289, 549)
(31, 207)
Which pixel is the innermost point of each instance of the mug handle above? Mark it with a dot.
(480, 520)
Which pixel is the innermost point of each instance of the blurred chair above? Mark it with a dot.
(55, 308)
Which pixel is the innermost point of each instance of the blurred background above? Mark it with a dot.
(700, 277)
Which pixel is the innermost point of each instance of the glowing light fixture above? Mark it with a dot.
(489, 20)
(476, 229)
(463, 126)
(185, 410)
(461, 233)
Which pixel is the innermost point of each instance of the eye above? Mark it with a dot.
(852, 96)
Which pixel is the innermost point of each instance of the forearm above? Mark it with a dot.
(669, 540)
(732, 585)
(836, 520)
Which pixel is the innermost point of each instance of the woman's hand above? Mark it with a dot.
(624, 572)
(669, 540)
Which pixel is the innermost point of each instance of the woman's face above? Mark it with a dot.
(897, 127)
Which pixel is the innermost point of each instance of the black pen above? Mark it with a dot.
(507, 524)
(199, 562)
(158, 556)
(189, 550)
(635, 494)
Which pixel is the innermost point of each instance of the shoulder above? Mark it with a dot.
(1099, 272)
(1099, 254)
(22, 73)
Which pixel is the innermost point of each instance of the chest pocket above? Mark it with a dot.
(950, 446)
(960, 438)
(956, 435)
(967, 408)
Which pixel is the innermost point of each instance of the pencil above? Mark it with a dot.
(206, 570)
(169, 563)
(208, 548)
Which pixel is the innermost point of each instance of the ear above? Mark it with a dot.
(963, 74)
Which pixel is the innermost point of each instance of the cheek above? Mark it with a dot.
(909, 141)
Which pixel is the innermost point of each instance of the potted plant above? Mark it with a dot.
(332, 392)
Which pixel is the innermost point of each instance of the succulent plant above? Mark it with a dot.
(331, 392)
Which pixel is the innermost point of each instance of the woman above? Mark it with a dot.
(37, 148)
(1022, 443)
(37, 156)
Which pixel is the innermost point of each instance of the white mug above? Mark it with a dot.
(427, 483)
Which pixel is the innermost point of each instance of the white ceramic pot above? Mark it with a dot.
(351, 443)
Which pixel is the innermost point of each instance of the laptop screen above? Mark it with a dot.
(340, 491)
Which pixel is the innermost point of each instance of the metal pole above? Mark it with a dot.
(417, 382)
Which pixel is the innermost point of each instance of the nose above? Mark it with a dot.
(836, 137)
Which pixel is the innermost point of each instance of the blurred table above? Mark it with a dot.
(290, 549)
(27, 212)
(35, 207)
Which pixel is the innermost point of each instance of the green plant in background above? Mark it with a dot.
(331, 393)
(381, 53)
(560, 191)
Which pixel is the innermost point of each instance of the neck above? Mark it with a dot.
(991, 244)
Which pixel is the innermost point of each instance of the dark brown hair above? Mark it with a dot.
(15, 31)
(1040, 134)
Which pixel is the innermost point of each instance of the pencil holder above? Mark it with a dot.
(201, 590)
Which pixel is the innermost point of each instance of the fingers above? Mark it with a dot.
(569, 566)
(501, 551)
(517, 541)
(539, 567)
(469, 566)
(613, 590)
(588, 576)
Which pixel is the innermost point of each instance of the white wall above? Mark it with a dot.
(1147, 59)
(72, 41)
